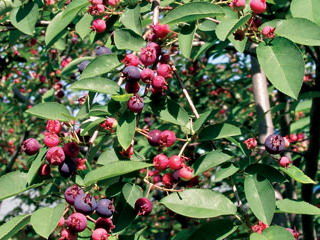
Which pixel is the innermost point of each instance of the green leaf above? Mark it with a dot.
(97, 84)
(186, 36)
(13, 226)
(283, 64)
(297, 207)
(240, 46)
(113, 169)
(260, 196)
(131, 19)
(192, 11)
(269, 172)
(25, 17)
(5, 6)
(276, 233)
(62, 20)
(300, 30)
(127, 39)
(229, 26)
(126, 129)
(45, 220)
(297, 175)
(309, 9)
(174, 113)
(122, 97)
(226, 170)
(74, 65)
(83, 26)
(199, 203)
(36, 163)
(107, 157)
(51, 111)
(257, 236)
(131, 193)
(202, 119)
(210, 160)
(219, 131)
(101, 65)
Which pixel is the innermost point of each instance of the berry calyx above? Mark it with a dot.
(148, 55)
(275, 144)
(251, 143)
(105, 223)
(100, 234)
(53, 126)
(51, 139)
(147, 75)
(167, 138)
(268, 32)
(85, 204)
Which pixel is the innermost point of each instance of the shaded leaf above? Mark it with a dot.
(51, 111)
(219, 131)
(97, 84)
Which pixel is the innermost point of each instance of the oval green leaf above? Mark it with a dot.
(309, 9)
(98, 84)
(186, 36)
(131, 19)
(219, 131)
(126, 129)
(297, 207)
(297, 175)
(127, 39)
(10, 228)
(51, 111)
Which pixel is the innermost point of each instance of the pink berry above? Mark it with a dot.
(112, 2)
(186, 173)
(44, 170)
(268, 32)
(258, 228)
(99, 25)
(159, 82)
(156, 46)
(168, 180)
(30, 146)
(100, 234)
(161, 30)
(77, 222)
(53, 126)
(148, 56)
(164, 70)
(55, 156)
(135, 104)
(147, 75)
(51, 139)
(294, 233)
(238, 4)
(285, 162)
(167, 138)
(109, 124)
(258, 6)
(175, 162)
(251, 143)
(67, 234)
(96, 1)
(131, 60)
(160, 161)
(154, 137)
(143, 206)
(71, 149)
(61, 222)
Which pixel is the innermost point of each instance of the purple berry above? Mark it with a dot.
(71, 193)
(67, 168)
(105, 208)
(105, 223)
(82, 66)
(101, 50)
(85, 204)
(154, 137)
(132, 87)
(143, 206)
(30, 146)
(275, 144)
(77, 222)
(132, 73)
(135, 104)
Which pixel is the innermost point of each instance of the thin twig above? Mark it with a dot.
(162, 188)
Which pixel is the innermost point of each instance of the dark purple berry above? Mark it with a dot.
(30, 146)
(105, 208)
(135, 104)
(132, 73)
(77, 222)
(105, 223)
(101, 50)
(154, 137)
(67, 168)
(71, 193)
(82, 66)
(44, 170)
(275, 144)
(132, 87)
(85, 204)
(71, 149)
(143, 206)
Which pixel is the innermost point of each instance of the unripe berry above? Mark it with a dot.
(160, 161)
(268, 32)
(258, 228)
(109, 124)
(85, 204)
(53, 126)
(143, 206)
(100, 234)
(294, 233)
(168, 180)
(44, 170)
(159, 82)
(112, 2)
(185, 173)
(131, 60)
(105, 223)
(71, 193)
(96, 1)
(175, 162)
(258, 6)
(51, 139)
(30, 146)
(154, 137)
(101, 50)
(251, 143)
(148, 56)
(147, 75)
(132, 87)
(105, 208)
(77, 222)
(66, 234)
(164, 70)
(238, 4)
(71, 149)
(284, 162)
(274, 144)
(99, 25)
(61, 222)
(135, 104)
(167, 138)
(161, 30)
(156, 46)
(131, 73)
(55, 155)
(82, 66)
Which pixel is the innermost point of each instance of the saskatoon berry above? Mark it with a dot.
(275, 144)
(53, 126)
(161, 30)
(154, 137)
(55, 155)
(159, 82)
(51, 139)
(185, 173)
(135, 104)
(238, 4)
(160, 161)
(77, 222)
(109, 124)
(147, 75)
(44, 170)
(167, 138)
(71, 193)
(105, 208)
(285, 162)
(67, 168)
(131, 60)
(30, 146)
(268, 32)
(164, 70)
(101, 50)
(168, 180)
(131, 73)
(105, 223)
(82, 66)
(175, 162)
(132, 87)
(156, 46)
(258, 6)
(100, 234)
(85, 204)
(61, 222)
(99, 25)
(66, 234)
(71, 149)
(148, 55)
(143, 206)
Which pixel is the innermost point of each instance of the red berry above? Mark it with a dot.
(167, 138)
(161, 30)
(156, 46)
(105, 223)
(159, 82)
(100, 234)
(135, 104)
(109, 124)
(164, 70)
(61, 222)
(148, 56)
(268, 32)
(154, 137)
(71, 149)
(238, 4)
(175, 162)
(168, 180)
(185, 173)
(55, 156)
(285, 162)
(99, 25)
(30, 146)
(77, 222)
(275, 144)
(251, 143)
(258, 228)
(160, 161)
(53, 126)
(143, 206)
(147, 75)
(67, 234)
(258, 6)
(131, 60)
(51, 139)
(132, 87)
(44, 170)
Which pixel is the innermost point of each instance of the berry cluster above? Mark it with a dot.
(261, 226)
